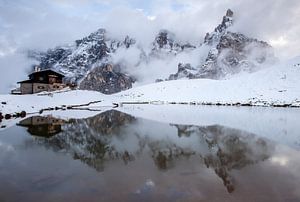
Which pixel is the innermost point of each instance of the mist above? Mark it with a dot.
(40, 25)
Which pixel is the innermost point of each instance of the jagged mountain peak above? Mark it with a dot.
(229, 13)
(227, 22)
(98, 36)
(166, 41)
(164, 38)
(229, 53)
(101, 36)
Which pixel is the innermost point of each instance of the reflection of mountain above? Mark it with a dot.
(88, 139)
(113, 135)
(42, 126)
(229, 149)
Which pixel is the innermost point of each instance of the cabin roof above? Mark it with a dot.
(26, 81)
(45, 71)
(42, 72)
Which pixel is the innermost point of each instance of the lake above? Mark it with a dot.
(153, 153)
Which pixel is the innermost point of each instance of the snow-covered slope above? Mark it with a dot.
(276, 85)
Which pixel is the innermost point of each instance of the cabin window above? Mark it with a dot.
(52, 80)
(41, 78)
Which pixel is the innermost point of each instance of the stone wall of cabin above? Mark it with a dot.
(31, 88)
(26, 88)
(40, 87)
(56, 86)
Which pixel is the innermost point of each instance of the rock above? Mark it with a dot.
(23, 114)
(184, 71)
(158, 80)
(229, 13)
(7, 116)
(4, 103)
(106, 79)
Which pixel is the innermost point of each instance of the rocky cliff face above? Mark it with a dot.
(106, 79)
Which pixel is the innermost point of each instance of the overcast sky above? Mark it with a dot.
(42, 24)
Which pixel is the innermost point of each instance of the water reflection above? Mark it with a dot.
(115, 136)
(42, 126)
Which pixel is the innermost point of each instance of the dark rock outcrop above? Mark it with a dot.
(106, 79)
(184, 71)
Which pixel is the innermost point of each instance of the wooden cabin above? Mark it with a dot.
(43, 80)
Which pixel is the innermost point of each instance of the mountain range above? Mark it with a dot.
(90, 63)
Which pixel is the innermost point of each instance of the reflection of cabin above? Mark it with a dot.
(44, 80)
(42, 126)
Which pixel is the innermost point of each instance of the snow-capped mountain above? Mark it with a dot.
(77, 60)
(229, 53)
(90, 62)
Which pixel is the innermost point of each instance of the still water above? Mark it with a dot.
(115, 156)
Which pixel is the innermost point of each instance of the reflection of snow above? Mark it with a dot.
(147, 187)
(6, 151)
(150, 183)
(281, 160)
(6, 148)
